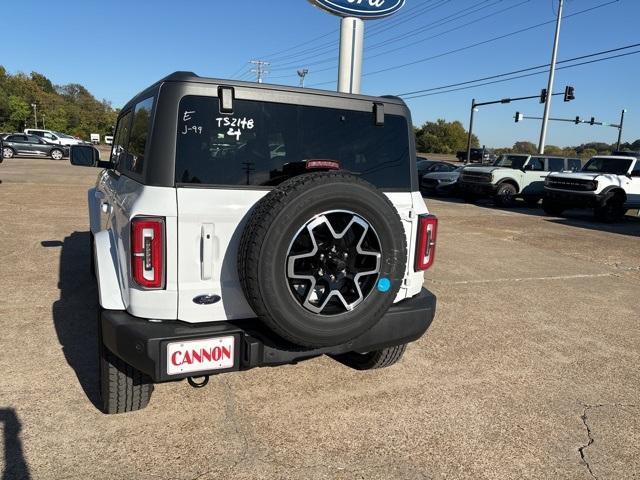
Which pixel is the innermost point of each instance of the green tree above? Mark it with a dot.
(524, 147)
(443, 137)
(19, 111)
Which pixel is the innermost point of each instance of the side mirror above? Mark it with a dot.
(86, 156)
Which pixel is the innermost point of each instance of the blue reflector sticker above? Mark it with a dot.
(384, 284)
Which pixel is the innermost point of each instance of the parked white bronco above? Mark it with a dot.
(608, 184)
(513, 176)
(239, 225)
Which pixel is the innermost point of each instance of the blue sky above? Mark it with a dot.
(117, 48)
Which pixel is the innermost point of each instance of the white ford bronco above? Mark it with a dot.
(512, 176)
(238, 225)
(608, 184)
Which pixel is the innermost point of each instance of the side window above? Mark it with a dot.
(574, 164)
(555, 164)
(536, 164)
(121, 140)
(16, 138)
(138, 138)
(636, 169)
(33, 139)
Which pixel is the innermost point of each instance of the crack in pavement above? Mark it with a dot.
(590, 438)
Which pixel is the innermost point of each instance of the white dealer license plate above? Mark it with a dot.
(199, 355)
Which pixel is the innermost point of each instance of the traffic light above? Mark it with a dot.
(519, 117)
(543, 95)
(593, 121)
(577, 120)
(569, 93)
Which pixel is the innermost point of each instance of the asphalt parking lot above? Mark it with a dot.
(530, 369)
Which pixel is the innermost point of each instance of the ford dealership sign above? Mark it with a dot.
(365, 9)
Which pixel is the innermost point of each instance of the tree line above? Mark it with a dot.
(451, 137)
(68, 108)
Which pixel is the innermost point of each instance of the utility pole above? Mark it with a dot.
(35, 115)
(44, 121)
(621, 127)
(260, 69)
(302, 73)
(552, 74)
(473, 109)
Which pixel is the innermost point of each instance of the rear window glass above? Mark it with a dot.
(263, 144)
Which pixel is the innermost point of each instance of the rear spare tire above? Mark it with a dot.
(322, 258)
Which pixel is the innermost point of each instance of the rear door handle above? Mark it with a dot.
(206, 251)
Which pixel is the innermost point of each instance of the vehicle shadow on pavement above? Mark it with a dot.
(629, 225)
(75, 313)
(15, 465)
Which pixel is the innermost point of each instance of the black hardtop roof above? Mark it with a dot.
(190, 77)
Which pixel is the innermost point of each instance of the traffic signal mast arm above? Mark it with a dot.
(519, 117)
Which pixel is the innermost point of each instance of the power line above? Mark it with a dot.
(375, 27)
(611, 57)
(528, 69)
(477, 44)
(434, 24)
(328, 46)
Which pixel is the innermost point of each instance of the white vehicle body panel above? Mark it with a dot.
(210, 224)
(118, 199)
(109, 293)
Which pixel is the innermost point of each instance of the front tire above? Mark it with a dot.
(57, 154)
(372, 360)
(506, 195)
(8, 152)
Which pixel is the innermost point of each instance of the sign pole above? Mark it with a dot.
(351, 48)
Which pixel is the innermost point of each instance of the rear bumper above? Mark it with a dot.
(143, 344)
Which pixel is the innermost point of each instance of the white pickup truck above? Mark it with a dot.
(608, 184)
(238, 225)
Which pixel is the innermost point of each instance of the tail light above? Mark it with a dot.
(147, 252)
(426, 245)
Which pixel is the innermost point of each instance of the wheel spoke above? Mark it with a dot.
(340, 265)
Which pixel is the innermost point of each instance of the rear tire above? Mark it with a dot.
(372, 360)
(552, 208)
(505, 196)
(123, 388)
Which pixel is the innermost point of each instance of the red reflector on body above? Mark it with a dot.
(147, 252)
(426, 242)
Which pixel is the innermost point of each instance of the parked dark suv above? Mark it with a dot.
(20, 144)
